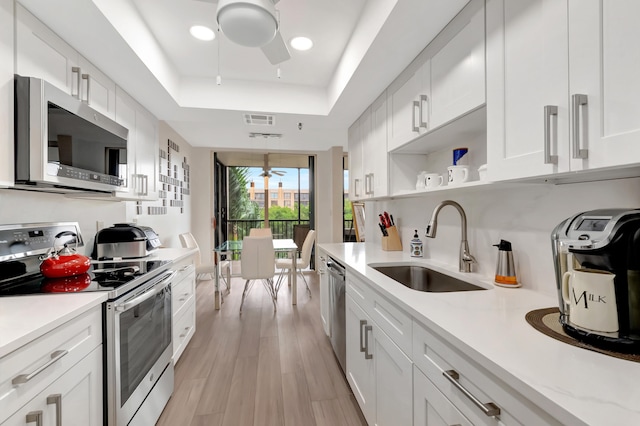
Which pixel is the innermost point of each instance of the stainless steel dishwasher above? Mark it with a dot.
(337, 310)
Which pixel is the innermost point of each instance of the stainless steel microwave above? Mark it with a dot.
(62, 144)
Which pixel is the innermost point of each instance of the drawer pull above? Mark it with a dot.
(362, 324)
(489, 409)
(24, 378)
(367, 329)
(184, 268)
(186, 331)
(35, 416)
(57, 400)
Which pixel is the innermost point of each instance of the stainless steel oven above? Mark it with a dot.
(139, 369)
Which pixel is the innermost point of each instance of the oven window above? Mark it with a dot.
(145, 332)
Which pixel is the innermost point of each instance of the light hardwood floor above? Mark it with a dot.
(261, 367)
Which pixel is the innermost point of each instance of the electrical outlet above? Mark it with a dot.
(99, 225)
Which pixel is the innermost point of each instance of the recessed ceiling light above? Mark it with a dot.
(301, 43)
(202, 33)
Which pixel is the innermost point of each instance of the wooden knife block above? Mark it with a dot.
(392, 241)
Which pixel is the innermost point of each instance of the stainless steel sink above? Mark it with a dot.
(425, 279)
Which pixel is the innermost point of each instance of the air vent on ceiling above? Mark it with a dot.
(259, 119)
(265, 135)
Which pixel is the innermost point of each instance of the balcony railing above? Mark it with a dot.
(280, 228)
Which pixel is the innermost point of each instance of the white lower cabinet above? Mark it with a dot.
(379, 373)
(431, 407)
(75, 399)
(183, 305)
(56, 378)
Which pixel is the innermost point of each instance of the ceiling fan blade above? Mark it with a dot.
(278, 172)
(276, 50)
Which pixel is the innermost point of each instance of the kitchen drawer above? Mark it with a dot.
(433, 356)
(182, 291)
(183, 268)
(391, 319)
(431, 407)
(184, 326)
(46, 359)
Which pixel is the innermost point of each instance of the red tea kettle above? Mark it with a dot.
(64, 262)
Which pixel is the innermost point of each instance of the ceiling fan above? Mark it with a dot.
(253, 23)
(267, 172)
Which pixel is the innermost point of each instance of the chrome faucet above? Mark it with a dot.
(466, 259)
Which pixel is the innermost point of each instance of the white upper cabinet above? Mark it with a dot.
(527, 86)
(6, 92)
(356, 172)
(457, 70)
(604, 62)
(562, 87)
(97, 90)
(375, 149)
(408, 105)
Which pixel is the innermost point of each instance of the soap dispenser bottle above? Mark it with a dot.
(505, 269)
(416, 245)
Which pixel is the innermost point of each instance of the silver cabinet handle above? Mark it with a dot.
(88, 94)
(186, 331)
(24, 378)
(355, 187)
(549, 111)
(76, 71)
(368, 185)
(146, 185)
(489, 409)
(423, 99)
(362, 324)
(35, 416)
(367, 328)
(578, 101)
(416, 107)
(57, 400)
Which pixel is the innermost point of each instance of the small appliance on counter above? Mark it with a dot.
(125, 241)
(505, 268)
(597, 265)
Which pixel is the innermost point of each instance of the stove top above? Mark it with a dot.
(102, 276)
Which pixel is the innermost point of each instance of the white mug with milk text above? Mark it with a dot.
(591, 297)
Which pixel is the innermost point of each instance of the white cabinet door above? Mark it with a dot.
(360, 367)
(527, 51)
(98, 90)
(404, 104)
(604, 61)
(147, 154)
(77, 394)
(324, 293)
(431, 407)
(356, 172)
(375, 150)
(125, 113)
(393, 380)
(41, 53)
(6, 92)
(457, 70)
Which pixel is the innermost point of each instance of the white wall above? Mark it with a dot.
(524, 214)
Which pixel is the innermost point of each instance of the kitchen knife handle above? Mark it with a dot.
(57, 400)
(76, 71)
(489, 409)
(578, 101)
(423, 100)
(549, 112)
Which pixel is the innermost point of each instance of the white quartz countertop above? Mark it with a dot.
(25, 318)
(572, 384)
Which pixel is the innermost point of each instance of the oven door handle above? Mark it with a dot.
(153, 291)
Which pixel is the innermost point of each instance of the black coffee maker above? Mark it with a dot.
(605, 240)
